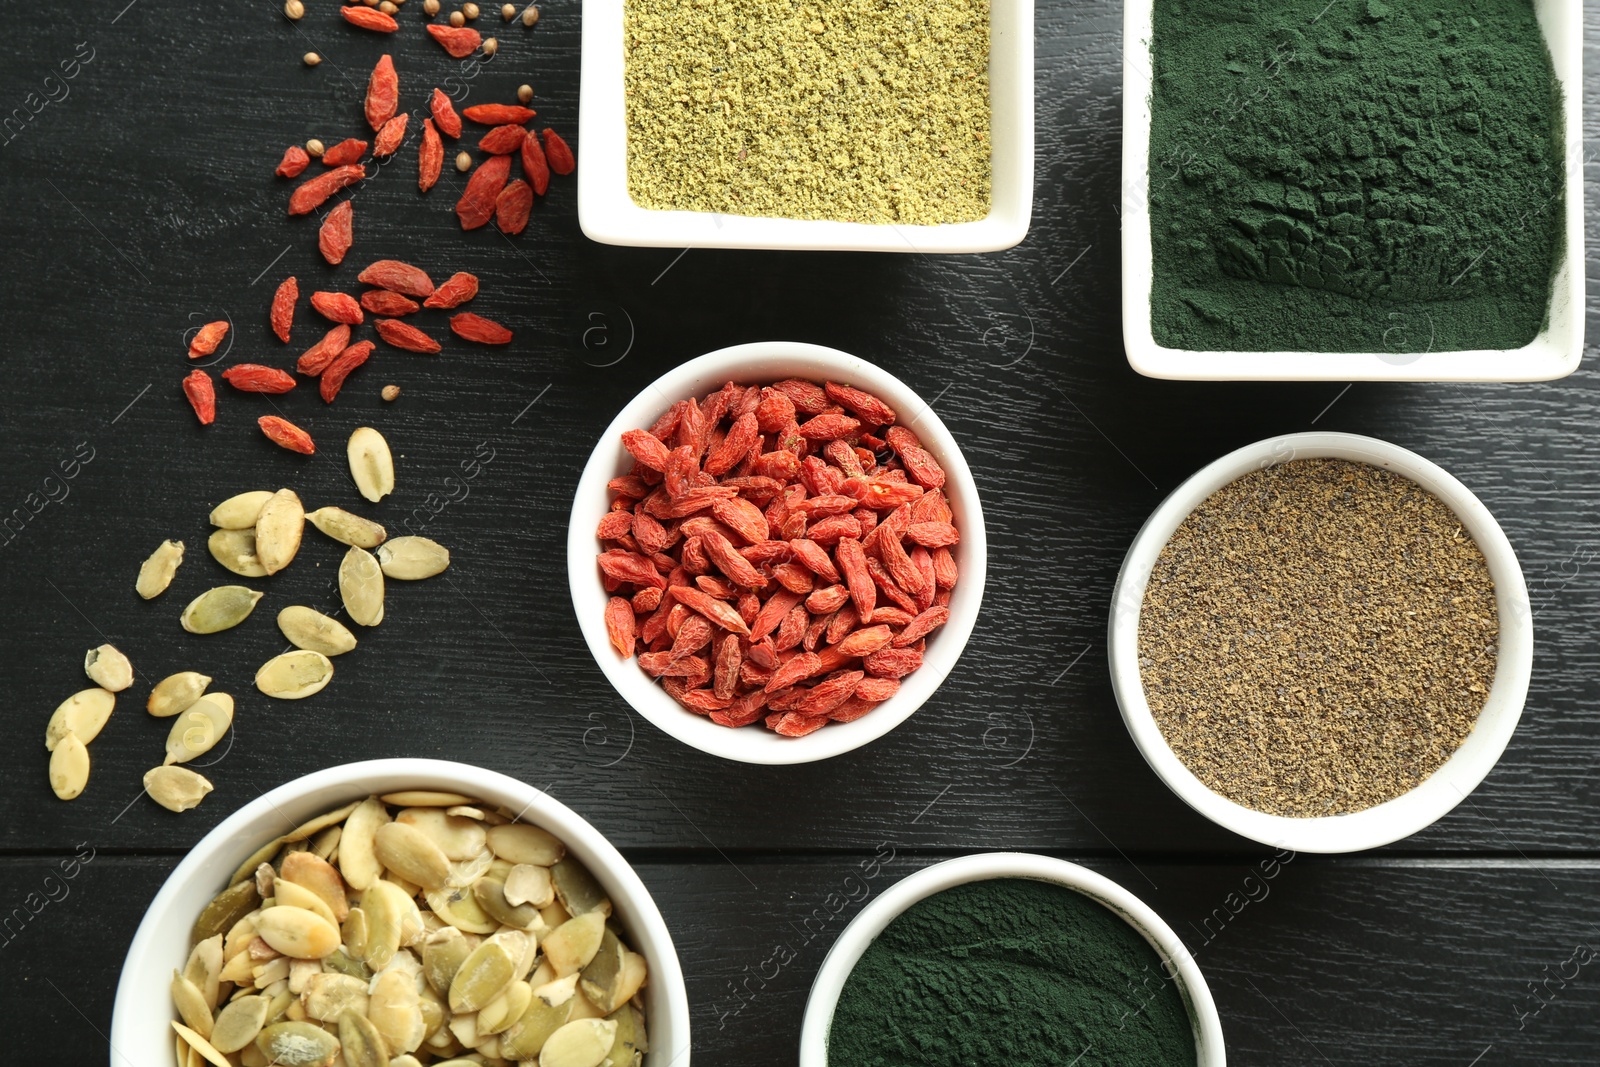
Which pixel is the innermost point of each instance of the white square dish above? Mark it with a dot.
(609, 215)
(1555, 353)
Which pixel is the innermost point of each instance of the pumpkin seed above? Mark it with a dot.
(371, 463)
(198, 729)
(175, 693)
(548, 1010)
(458, 838)
(226, 908)
(482, 976)
(576, 888)
(155, 573)
(294, 675)
(407, 851)
(409, 558)
(236, 550)
(357, 861)
(341, 962)
(631, 1043)
(571, 946)
(442, 956)
(354, 929)
(396, 1012)
(200, 1045)
(175, 788)
(464, 872)
(279, 527)
(240, 512)
(580, 1043)
(239, 1022)
(315, 632)
(310, 871)
(392, 920)
(204, 968)
(521, 842)
(613, 976)
(527, 884)
(505, 1009)
(191, 1004)
(321, 822)
(457, 906)
(424, 798)
(84, 713)
(326, 843)
(490, 894)
(361, 1042)
(288, 894)
(220, 608)
(108, 668)
(347, 527)
(69, 767)
(297, 1044)
(297, 933)
(523, 948)
(328, 996)
(361, 587)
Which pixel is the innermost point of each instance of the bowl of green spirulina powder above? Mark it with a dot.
(1003, 958)
(1353, 189)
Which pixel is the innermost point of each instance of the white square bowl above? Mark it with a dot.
(608, 214)
(1555, 353)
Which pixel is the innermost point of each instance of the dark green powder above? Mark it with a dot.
(1355, 176)
(1010, 971)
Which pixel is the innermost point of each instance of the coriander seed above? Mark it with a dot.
(530, 15)
(314, 148)
(525, 93)
(470, 10)
(294, 9)
(508, 12)
(387, 7)
(312, 59)
(490, 46)
(463, 162)
(457, 19)
(390, 392)
(430, 7)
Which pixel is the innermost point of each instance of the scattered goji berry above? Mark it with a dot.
(349, 150)
(397, 277)
(369, 19)
(470, 327)
(459, 41)
(383, 302)
(383, 94)
(332, 379)
(335, 236)
(207, 338)
(503, 140)
(534, 166)
(476, 206)
(295, 161)
(202, 396)
(430, 156)
(284, 433)
(456, 290)
(339, 307)
(314, 360)
(499, 114)
(282, 314)
(444, 114)
(256, 378)
(404, 335)
(512, 206)
(314, 192)
(557, 152)
(390, 136)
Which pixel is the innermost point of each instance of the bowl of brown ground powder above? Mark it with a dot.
(1322, 642)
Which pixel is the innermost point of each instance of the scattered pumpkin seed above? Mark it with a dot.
(294, 675)
(409, 558)
(236, 551)
(361, 587)
(371, 463)
(176, 788)
(315, 632)
(69, 767)
(84, 713)
(220, 608)
(198, 729)
(175, 693)
(240, 512)
(347, 527)
(155, 573)
(279, 528)
(108, 668)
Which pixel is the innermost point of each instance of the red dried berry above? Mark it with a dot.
(256, 378)
(383, 302)
(383, 93)
(404, 335)
(620, 625)
(202, 396)
(503, 140)
(314, 192)
(349, 150)
(339, 307)
(333, 378)
(470, 327)
(476, 206)
(206, 339)
(397, 277)
(557, 152)
(370, 19)
(335, 236)
(456, 290)
(444, 114)
(499, 114)
(512, 206)
(459, 41)
(430, 157)
(868, 408)
(315, 359)
(390, 137)
(282, 314)
(534, 166)
(294, 162)
(284, 433)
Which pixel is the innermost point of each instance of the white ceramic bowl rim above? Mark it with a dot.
(1433, 798)
(760, 363)
(140, 1029)
(1177, 963)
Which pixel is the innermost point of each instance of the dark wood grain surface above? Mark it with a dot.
(138, 202)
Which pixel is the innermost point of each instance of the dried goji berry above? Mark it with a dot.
(370, 19)
(256, 378)
(499, 114)
(807, 397)
(919, 463)
(827, 426)
(383, 302)
(620, 626)
(314, 192)
(459, 41)
(512, 206)
(632, 568)
(282, 314)
(503, 140)
(388, 141)
(333, 378)
(444, 114)
(315, 359)
(383, 94)
(870, 409)
(335, 236)
(557, 152)
(284, 433)
(476, 206)
(430, 157)
(202, 396)
(616, 524)
(719, 612)
(406, 336)
(349, 150)
(456, 290)
(397, 277)
(534, 166)
(339, 307)
(294, 162)
(470, 327)
(207, 338)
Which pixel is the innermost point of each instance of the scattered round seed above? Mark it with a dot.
(294, 9)
(525, 93)
(530, 15)
(312, 59)
(314, 148)
(388, 8)
(490, 46)
(470, 10)
(430, 7)
(508, 11)
(391, 392)
(463, 162)
(457, 19)
(370, 3)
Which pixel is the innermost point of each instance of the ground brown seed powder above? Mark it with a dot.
(860, 111)
(1318, 638)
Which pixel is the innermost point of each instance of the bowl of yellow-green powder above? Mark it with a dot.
(1007, 957)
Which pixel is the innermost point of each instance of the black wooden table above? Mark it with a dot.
(138, 201)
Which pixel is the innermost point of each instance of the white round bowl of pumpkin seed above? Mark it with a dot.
(403, 912)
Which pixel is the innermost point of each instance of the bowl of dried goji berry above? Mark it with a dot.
(776, 552)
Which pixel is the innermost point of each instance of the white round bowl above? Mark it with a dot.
(141, 1030)
(759, 364)
(1446, 787)
(1177, 964)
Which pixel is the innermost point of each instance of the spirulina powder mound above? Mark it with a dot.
(1355, 176)
(1010, 971)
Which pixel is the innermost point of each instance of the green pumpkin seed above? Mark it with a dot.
(279, 527)
(69, 767)
(457, 906)
(340, 963)
(458, 838)
(225, 909)
(571, 946)
(155, 573)
(361, 1042)
(218, 609)
(392, 918)
(490, 893)
(328, 996)
(548, 1011)
(577, 890)
(505, 1009)
(175, 788)
(580, 1043)
(108, 668)
(200, 1045)
(191, 1004)
(84, 713)
(239, 1022)
(297, 932)
(347, 527)
(294, 675)
(482, 977)
(240, 512)
(197, 730)
(361, 587)
(236, 551)
(396, 1011)
(357, 860)
(175, 693)
(442, 956)
(604, 976)
(410, 853)
(410, 558)
(371, 463)
(631, 1043)
(520, 842)
(297, 1044)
